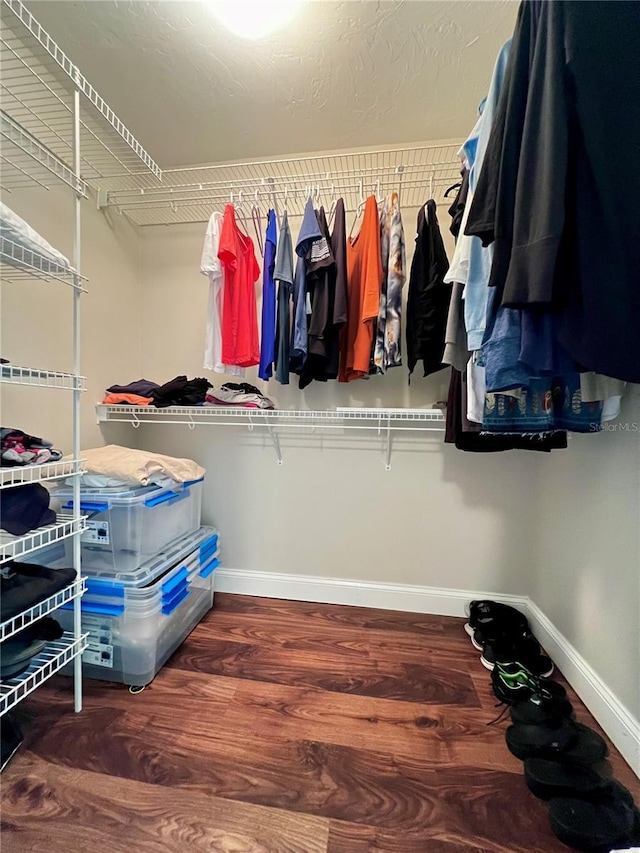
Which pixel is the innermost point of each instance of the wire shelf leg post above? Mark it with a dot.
(77, 621)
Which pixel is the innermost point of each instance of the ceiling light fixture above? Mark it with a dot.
(254, 19)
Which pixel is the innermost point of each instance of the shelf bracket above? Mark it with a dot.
(273, 435)
(388, 447)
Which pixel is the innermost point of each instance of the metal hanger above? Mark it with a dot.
(257, 223)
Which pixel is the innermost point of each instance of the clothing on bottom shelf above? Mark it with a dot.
(22, 585)
(25, 508)
(17, 652)
(18, 448)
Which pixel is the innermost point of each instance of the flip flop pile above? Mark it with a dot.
(564, 761)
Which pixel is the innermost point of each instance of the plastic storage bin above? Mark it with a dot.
(134, 630)
(126, 527)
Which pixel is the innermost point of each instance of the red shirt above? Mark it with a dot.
(240, 344)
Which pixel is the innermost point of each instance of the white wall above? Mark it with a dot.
(586, 573)
(438, 518)
(37, 317)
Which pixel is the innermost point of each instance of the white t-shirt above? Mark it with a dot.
(210, 266)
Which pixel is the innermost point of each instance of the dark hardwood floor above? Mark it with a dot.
(282, 727)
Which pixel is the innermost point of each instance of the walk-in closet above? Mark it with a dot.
(319, 426)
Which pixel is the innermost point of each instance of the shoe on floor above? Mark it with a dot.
(525, 649)
(513, 683)
(490, 619)
(596, 822)
(548, 779)
(546, 707)
(569, 742)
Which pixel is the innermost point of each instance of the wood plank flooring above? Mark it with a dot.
(282, 727)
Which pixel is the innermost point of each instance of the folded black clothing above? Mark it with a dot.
(181, 391)
(24, 508)
(22, 585)
(17, 652)
(242, 387)
(141, 387)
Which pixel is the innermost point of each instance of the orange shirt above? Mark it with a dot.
(364, 277)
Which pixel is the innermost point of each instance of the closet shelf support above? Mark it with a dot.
(275, 439)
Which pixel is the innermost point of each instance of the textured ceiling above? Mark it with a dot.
(343, 75)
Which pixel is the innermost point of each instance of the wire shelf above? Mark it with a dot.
(38, 81)
(190, 194)
(14, 547)
(26, 162)
(19, 264)
(13, 375)
(396, 419)
(20, 476)
(51, 659)
(42, 608)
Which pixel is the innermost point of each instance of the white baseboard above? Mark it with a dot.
(616, 720)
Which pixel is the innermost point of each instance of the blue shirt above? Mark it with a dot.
(268, 342)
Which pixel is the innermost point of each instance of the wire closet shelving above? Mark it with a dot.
(385, 422)
(55, 131)
(189, 195)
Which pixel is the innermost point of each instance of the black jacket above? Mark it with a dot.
(429, 296)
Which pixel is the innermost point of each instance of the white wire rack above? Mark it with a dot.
(26, 162)
(20, 476)
(37, 87)
(14, 547)
(19, 264)
(190, 194)
(51, 659)
(13, 375)
(43, 608)
(384, 421)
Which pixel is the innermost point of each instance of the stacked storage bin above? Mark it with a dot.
(150, 568)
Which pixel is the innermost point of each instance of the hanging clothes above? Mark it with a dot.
(211, 266)
(458, 205)
(429, 295)
(320, 283)
(565, 127)
(309, 233)
(268, 339)
(240, 344)
(364, 277)
(338, 242)
(388, 344)
(283, 274)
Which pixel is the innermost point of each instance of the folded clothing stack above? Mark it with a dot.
(18, 448)
(239, 394)
(113, 466)
(563, 759)
(25, 508)
(23, 585)
(181, 391)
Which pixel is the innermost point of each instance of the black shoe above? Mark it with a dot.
(568, 741)
(548, 779)
(513, 683)
(10, 740)
(491, 619)
(596, 822)
(524, 649)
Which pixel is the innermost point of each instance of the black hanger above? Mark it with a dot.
(452, 188)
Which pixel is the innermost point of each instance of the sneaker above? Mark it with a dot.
(513, 683)
(525, 649)
(483, 614)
